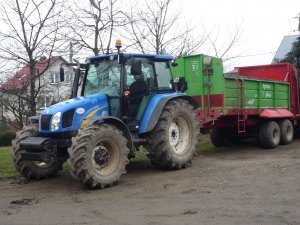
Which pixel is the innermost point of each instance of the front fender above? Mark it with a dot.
(120, 125)
(156, 106)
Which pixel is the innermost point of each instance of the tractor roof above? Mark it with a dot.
(153, 56)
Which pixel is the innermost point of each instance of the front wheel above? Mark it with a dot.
(172, 142)
(98, 156)
(31, 169)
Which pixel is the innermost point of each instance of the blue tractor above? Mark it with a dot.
(126, 101)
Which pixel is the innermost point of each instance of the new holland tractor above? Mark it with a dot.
(126, 101)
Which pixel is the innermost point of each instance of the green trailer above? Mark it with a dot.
(250, 101)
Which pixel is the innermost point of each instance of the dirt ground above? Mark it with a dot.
(236, 185)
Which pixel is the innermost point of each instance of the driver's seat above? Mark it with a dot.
(138, 89)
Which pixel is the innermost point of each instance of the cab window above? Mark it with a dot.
(163, 74)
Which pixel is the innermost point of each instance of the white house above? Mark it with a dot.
(51, 90)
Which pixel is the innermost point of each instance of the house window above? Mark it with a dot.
(54, 77)
(68, 78)
(43, 101)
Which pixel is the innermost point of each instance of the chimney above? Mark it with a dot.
(43, 58)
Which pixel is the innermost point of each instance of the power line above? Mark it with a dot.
(251, 55)
(264, 53)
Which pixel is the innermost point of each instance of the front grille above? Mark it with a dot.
(67, 118)
(45, 122)
(34, 144)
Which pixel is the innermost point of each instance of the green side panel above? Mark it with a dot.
(191, 69)
(257, 93)
(200, 81)
(238, 92)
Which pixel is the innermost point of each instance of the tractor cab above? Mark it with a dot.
(129, 81)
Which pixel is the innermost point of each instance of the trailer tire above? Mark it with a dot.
(218, 137)
(31, 169)
(98, 156)
(269, 135)
(172, 143)
(286, 131)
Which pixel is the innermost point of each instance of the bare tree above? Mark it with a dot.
(30, 31)
(154, 28)
(93, 24)
(221, 45)
(14, 103)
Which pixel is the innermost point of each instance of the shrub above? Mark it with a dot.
(6, 137)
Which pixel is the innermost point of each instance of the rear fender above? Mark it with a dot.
(156, 106)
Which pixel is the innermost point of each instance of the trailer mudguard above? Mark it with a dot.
(276, 113)
(155, 107)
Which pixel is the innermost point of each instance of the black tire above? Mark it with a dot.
(286, 131)
(172, 143)
(219, 137)
(109, 144)
(236, 140)
(30, 169)
(269, 135)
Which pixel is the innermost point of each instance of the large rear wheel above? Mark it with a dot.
(219, 138)
(98, 156)
(31, 169)
(172, 143)
(286, 131)
(269, 134)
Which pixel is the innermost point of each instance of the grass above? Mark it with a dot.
(7, 169)
(204, 147)
(204, 144)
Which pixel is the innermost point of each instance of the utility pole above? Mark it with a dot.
(71, 67)
(299, 22)
(297, 17)
(71, 53)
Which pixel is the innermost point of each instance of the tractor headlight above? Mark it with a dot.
(55, 121)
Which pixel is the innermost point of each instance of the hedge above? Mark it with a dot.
(6, 137)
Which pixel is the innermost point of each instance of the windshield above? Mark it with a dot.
(103, 77)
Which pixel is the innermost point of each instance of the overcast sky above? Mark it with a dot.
(264, 24)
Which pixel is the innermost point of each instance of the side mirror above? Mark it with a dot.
(180, 84)
(61, 74)
(136, 68)
(174, 64)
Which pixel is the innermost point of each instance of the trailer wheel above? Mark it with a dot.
(218, 137)
(269, 134)
(98, 156)
(172, 143)
(286, 131)
(31, 169)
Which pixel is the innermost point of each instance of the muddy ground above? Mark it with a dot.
(236, 185)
